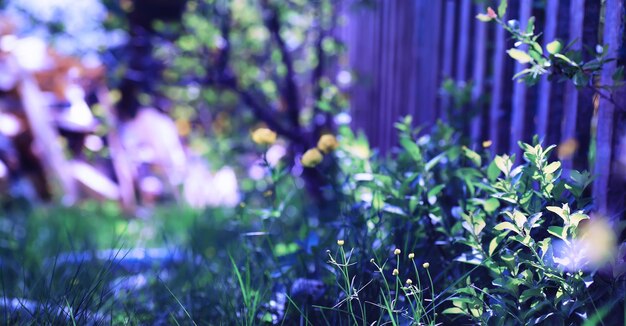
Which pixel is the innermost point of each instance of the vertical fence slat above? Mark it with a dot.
(606, 112)
(463, 34)
(478, 75)
(586, 107)
(417, 52)
(545, 87)
(379, 65)
(383, 72)
(519, 90)
(495, 110)
(448, 52)
(570, 100)
(394, 82)
(430, 30)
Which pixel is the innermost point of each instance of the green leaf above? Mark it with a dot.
(431, 164)
(534, 292)
(575, 218)
(519, 219)
(432, 193)
(483, 18)
(580, 79)
(454, 311)
(536, 49)
(506, 226)
(502, 8)
(558, 232)
(598, 317)
(554, 47)
(493, 244)
(490, 205)
(473, 156)
(519, 55)
(378, 201)
(552, 167)
(566, 59)
(558, 211)
(493, 172)
(504, 164)
(411, 147)
(530, 26)
(522, 73)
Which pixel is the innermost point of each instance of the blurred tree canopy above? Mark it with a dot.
(272, 59)
(219, 68)
(234, 65)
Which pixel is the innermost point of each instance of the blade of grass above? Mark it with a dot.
(177, 301)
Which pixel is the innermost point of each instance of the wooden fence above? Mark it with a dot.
(402, 50)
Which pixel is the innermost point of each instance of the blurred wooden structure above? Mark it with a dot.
(401, 52)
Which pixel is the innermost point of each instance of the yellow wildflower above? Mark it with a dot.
(327, 143)
(409, 281)
(340, 242)
(426, 265)
(395, 272)
(264, 136)
(311, 158)
(411, 255)
(397, 252)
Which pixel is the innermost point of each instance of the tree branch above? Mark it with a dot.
(290, 91)
(223, 76)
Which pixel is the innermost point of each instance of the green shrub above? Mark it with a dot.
(496, 236)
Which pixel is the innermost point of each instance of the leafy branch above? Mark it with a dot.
(558, 62)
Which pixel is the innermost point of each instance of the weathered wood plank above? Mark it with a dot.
(591, 28)
(518, 106)
(463, 33)
(383, 73)
(545, 86)
(377, 91)
(570, 97)
(448, 52)
(495, 107)
(478, 76)
(613, 25)
(428, 32)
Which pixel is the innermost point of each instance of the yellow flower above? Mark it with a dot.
(327, 143)
(409, 281)
(264, 136)
(395, 272)
(426, 265)
(397, 252)
(311, 158)
(487, 143)
(411, 255)
(340, 243)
